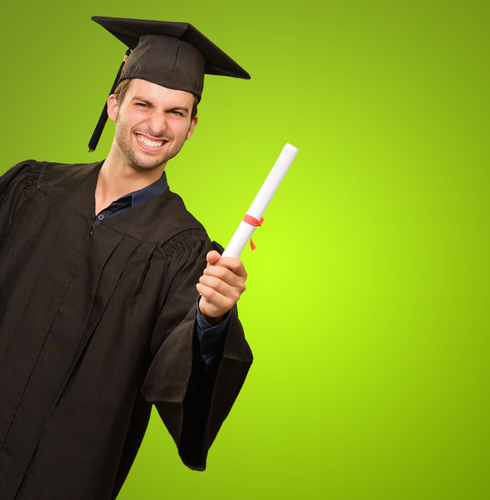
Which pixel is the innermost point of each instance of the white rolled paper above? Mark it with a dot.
(263, 198)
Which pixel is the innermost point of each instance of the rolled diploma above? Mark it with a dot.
(264, 196)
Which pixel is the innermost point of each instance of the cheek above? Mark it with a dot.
(132, 118)
(178, 130)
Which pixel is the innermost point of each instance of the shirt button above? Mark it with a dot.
(207, 338)
(100, 217)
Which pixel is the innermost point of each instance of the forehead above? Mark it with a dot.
(158, 95)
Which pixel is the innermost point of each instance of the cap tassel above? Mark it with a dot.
(103, 117)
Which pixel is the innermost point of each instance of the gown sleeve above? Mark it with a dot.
(16, 186)
(192, 400)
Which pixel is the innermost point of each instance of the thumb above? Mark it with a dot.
(213, 257)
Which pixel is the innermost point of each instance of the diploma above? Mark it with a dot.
(257, 208)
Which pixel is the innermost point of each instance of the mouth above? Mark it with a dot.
(150, 144)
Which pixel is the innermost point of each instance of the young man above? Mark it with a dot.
(99, 313)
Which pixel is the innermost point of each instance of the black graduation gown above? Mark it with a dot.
(94, 328)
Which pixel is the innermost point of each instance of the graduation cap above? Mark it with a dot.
(170, 54)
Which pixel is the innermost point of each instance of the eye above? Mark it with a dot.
(141, 105)
(178, 113)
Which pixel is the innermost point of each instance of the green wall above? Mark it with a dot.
(367, 301)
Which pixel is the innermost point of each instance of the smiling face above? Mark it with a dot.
(152, 124)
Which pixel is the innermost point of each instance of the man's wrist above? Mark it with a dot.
(212, 321)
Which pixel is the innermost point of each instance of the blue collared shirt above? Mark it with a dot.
(207, 335)
(132, 200)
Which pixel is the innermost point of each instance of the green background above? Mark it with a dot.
(367, 301)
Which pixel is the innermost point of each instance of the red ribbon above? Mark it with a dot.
(252, 221)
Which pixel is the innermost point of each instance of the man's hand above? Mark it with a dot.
(221, 285)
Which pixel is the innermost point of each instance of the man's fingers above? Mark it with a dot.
(213, 257)
(230, 289)
(233, 264)
(225, 275)
(221, 285)
(213, 303)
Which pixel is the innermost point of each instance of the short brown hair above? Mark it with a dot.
(122, 87)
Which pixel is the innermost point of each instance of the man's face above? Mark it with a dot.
(152, 124)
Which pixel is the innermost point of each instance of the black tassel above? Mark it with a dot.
(103, 117)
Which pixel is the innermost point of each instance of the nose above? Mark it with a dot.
(157, 124)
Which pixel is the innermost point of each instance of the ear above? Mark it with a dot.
(112, 106)
(191, 128)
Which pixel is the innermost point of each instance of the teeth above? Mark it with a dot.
(147, 142)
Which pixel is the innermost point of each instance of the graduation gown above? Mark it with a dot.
(94, 329)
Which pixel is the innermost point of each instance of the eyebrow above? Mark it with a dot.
(146, 101)
(179, 108)
(142, 99)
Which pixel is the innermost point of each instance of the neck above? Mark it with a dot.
(117, 179)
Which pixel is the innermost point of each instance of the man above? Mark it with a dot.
(99, 313)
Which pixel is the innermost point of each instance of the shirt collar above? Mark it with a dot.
(149, 192)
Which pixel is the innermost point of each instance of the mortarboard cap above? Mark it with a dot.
(170, 54)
